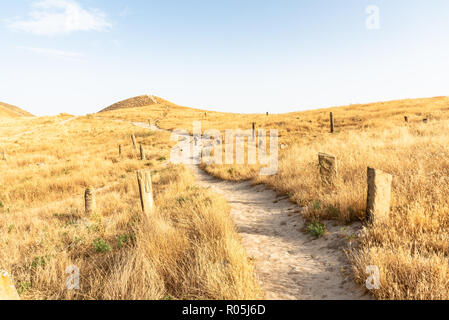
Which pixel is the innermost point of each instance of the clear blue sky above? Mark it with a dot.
(238, 56)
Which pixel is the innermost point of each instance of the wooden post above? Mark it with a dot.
(145, 191)
(425, 120)
(332, 122)
(379, 195)
(89, 200)
(254, 131)
(328, 169)
(7, 289)
(267, 113)
(133, 138)
(406, 119)
(142, 153)
(149, 122)
(3, 155)
(119, 150)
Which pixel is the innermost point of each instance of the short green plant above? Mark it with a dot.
(316, 205)
(316, 229)
(123, 239)
(101, 246)
(39, 262)
(23, 286)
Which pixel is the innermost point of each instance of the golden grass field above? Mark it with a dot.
(411, 248)
(189, 249)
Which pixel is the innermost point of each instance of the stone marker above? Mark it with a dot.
(142, 153)
(145, 191)
(89, 200)
(7, 289)
(332, 122)
(133, 138)
(254, 131)
(379, 194)
(328, 169)
(425, 120)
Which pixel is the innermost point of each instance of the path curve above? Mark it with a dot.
(290, 264)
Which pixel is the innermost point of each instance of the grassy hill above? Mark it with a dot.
(176, 253)
(135, 102)
(411, 249)
(10, 111)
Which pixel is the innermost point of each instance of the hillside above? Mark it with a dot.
(412, 256)
(135, 102)
(10, 111)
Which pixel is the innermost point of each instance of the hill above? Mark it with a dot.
(405, 138)
(10, 111)
(136, 102)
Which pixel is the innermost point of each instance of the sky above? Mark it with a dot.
(244, 56)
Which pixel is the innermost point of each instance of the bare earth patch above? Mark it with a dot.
(290, 263)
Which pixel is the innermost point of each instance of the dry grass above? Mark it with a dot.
(187, 250)
(411, 248)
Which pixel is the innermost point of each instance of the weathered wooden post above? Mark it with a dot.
(142, 153)
(7, 289)
(89, 200)
(406, 119)
(379, 195)
(3, 155)
(328, 169)
(119, 150)
(254, 131)
(332, 122)
(145, 191)
(133, 138)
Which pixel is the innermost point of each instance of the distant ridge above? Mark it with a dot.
(10, 111)
(136, 102)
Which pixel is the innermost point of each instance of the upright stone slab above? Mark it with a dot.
(7, 289)
(331, 119)
(142, 153)
(133, 138)
(254, 131)
(379, 195)
(328, 169)
(89, 201)
(145, 191)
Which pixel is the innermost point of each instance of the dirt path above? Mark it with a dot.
(290, 263)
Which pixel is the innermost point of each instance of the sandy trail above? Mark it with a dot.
(290, 263)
